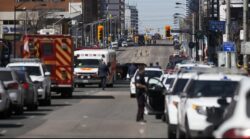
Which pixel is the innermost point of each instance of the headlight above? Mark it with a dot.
(200, 109)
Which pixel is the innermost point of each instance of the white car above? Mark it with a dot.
(114, 45)
(167, 79)
(124, 44)
(5, 102)
(149, 73)
(237, 122)
(38, 74)
(172, 100)
(200, 92)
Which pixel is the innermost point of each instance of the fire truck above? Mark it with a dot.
(56, 52)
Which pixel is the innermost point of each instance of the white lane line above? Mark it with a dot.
(83, 125)
(141, 131)
(3, 132)
(85, 117)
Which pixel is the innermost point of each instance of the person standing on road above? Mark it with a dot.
(131, 70)
(103, 72)
(157, 65)
(141, 89)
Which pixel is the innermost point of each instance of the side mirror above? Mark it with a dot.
(222, 101)
(47, 73)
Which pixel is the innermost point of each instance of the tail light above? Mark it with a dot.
(12, 86)
(26, 86)
(237, 133)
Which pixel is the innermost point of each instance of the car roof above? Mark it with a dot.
(153, 69)
(219, 76)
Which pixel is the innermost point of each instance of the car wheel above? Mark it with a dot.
(163, 118)
(187, 128)
(171, 132)
(132, 95)
(19, 110)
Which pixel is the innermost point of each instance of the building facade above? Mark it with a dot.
(131, 20)
(113, 10)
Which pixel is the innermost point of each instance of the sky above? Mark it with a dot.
(156, 14)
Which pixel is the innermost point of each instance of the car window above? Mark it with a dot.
(32, 70)
(151, 74)
(179, 86)
(212, 88)
(169, 80)
(6, 76)
(21, 76)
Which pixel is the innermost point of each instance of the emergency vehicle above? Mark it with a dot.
(56, 52)
(86, 66)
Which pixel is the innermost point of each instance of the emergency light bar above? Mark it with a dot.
(14, 60)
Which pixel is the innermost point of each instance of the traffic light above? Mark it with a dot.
(167, 31)
(100, 32)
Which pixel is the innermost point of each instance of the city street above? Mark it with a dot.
(91, 112)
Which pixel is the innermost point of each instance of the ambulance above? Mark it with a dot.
(86, 66)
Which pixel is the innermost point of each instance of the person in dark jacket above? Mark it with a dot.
(157, 65)
(131, 70)
(141, 89)
(103, 72)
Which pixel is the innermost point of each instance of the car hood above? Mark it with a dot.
(37, 78)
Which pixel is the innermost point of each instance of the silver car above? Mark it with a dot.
(5, 102)
(30, 89)
(14, 89)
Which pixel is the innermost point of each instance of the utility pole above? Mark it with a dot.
(83, 27)
(245, 35)
(200, 29)
(228, 56)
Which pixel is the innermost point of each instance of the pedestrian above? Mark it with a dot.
(103, 72)
(157, 65)
(141, 89)
(151, 65)
(131, 70)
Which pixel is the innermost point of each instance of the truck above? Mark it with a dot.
(86, 66)
(56, 52)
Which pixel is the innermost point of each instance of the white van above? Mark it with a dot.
(86, 66)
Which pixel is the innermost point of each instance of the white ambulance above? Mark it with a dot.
(86, 63)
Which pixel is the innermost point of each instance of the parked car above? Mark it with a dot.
(149, 73)
(14, 89)
(172, 100)
(5, 102)
(114, 45)
(236, 123)
(124, 44)
(30, 89)
(200, 92)
(38, 74)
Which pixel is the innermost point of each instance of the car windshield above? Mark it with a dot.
(87, 63)
(31, 70)
(212, 88)
(21, 76)
(179, 86)
(152, 74)
(6, 76)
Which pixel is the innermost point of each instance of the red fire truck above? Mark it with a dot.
(56, 52)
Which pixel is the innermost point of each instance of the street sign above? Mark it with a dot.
(245, 48)
(215, 25)
(228, 47)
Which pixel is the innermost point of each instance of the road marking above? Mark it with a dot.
(141, 131)
(3, 132)
(83, 125)
(85, 116)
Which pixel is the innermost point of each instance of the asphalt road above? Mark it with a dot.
(91, 113)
